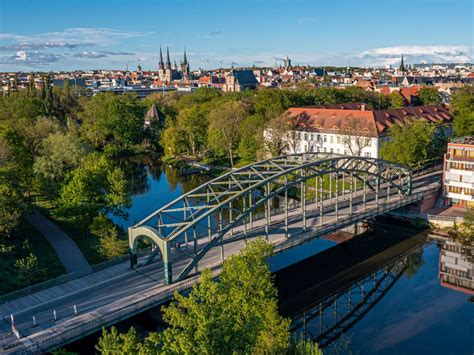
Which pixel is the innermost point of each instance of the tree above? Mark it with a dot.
(111, 245)
(113, 118)
(47, 97)
(303, 346)
(96, 186)
(357, 135)
(193, 124)
(172, 141)
(396, 100)
(237, 314)
(276, 139)
(11, 208)
(410, 144)
(28, 268)
(428, 96)
(463, 110)
(58, 155)
(224, 127)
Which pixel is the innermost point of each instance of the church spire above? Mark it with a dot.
(402, 65)
(161, 65)
(168, 61)
(185, 60)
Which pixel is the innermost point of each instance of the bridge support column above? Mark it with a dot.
(244, 205)
(377, 191)
(222, 237)
(250, 214)
(303, 200)
(321, 199)
(337, 197)
(351, 187)
(388, 188)
(195, 246)
(230, 218)
(364, 192)
(286, 208)
(209, 229)
(330, 188)
(267, 211)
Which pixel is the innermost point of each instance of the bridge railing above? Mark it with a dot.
(83, 325)
(65, 278)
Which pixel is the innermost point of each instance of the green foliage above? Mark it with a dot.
(96, 186)
(224, 128)
(428, 96)
(113, 342)
(11, 208)
(113, 118)
(303, 346)
(111, 245)
(396, 100)
(27, 268)
(58, 155)
(192, 125)
(411, 144)
(463, 110)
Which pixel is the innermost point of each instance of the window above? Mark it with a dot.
(319, 138)
(325, 138)
(332, 150)
(338, 139)
(367, 154)
(331, 139)
(338, 150)
(325, 150)
(312, 136)
(345, 151)
(318, 149)
(306, 136)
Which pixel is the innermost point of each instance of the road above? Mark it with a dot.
(132, 284)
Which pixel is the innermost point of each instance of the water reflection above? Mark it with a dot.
(333, 301)
(456, 265)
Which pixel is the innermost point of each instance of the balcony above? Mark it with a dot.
(460, 158)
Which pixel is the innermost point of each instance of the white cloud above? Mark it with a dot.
(414, 54)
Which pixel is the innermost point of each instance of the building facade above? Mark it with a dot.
(351, 129)
(239, 80)
(458, 173)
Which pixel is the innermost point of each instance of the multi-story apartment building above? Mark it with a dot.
(352, 129)
(458, 174)
(455, 269)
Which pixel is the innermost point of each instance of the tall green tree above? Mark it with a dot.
(95, 187)
(410, 144)
(117, 119)
(224, 128)
(463, 109)
(193, 124)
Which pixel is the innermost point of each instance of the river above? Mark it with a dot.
(389, 291)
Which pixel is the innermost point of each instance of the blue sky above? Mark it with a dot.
(100, 34)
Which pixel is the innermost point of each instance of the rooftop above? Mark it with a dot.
(463, 140)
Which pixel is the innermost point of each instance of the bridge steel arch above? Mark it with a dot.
(199, 214)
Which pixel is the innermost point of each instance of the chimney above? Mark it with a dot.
(362, 107)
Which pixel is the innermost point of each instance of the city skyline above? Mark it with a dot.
(86, 35)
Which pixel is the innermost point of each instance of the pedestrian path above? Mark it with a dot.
(68, 252)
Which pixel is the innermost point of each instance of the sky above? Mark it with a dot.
(50, 35)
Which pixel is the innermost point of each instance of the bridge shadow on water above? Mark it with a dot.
(309, 289)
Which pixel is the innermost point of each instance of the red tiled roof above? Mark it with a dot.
(368, 122)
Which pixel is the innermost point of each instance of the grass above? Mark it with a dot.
(23, 241)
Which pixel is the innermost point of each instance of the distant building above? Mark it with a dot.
(353, 128)
(154, 115)
(458, 173)
(168, 74)
(239, 80)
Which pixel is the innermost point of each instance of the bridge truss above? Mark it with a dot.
(207, 214)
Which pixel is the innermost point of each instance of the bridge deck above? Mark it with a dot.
(138, 290)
